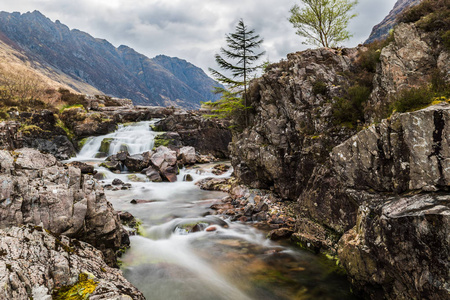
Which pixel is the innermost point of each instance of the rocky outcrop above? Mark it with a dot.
(41, 131)
(85, 124)
(408, 62)
(398, 173)
(37, 189)
(381, 30)
(207, 136)
(35, 264)
(290, 130)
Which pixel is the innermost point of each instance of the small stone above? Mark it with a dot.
(211, 228)
(188, 177)
(117, 181)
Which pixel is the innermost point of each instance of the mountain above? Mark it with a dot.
(381, 30)
(95, 64)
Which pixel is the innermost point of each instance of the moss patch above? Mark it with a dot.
(160, 140)
(81, 290)
(105, 145)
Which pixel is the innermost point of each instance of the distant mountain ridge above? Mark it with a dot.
(120, 72)
(381, 30)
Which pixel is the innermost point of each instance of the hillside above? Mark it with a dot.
(87, 63)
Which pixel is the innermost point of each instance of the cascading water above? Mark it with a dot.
(234, 261)
(134, 138)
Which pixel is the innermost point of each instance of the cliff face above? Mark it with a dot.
(119, 72)
(381, 30)
(378, 198)
(290, 129)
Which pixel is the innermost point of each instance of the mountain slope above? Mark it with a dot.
(381, 30)
(120, 72)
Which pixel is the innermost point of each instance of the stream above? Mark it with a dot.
(183, 253)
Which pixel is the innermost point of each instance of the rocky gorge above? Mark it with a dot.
(369, 190)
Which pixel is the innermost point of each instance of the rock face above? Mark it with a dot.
(38, 190)
(409, 61)
(381, 30)
(400, 243)
(205, 135)
(37, 265)
(121, 72)
(378, 198)
(290, 130)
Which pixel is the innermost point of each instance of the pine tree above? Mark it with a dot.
(238, 59)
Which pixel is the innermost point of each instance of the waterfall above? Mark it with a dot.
(134, 138)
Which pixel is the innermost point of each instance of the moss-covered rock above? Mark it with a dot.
(105, 145)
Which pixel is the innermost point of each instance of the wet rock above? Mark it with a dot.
(279, 234)
(137, 201)
(112, 165)
(135, 178)
(101, 155)
(85, 168)
(136, 163)
(188, 177)
(187, 155)
(153, 175)
(99, 176)
(165, 160)
(70, 203)
(220, 169)
(105, 145)
(35, 265)
(215, 184)
(211, 228)
(117, 181)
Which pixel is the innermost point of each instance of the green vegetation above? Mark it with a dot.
(319, 88)
(418, 98)
(349, 110)
(61, 124)
(240, 50)
(323, 22)
(69, 106)
(431, 16)
(160, 140)
(81, 290)
(105, 145)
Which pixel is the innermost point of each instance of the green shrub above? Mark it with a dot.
(349, 110)
(413, 99)
(319, 88)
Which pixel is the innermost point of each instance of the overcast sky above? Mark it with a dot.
(191, 29)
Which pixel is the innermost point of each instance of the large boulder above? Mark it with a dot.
(165, 160)
(187, 155)
(207, 136)
(35, 264)
(37, 189)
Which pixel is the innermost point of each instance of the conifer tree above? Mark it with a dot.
(238, 59)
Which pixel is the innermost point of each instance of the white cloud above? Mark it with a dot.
(190, 29)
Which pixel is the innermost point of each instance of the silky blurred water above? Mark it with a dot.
(235, 261)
